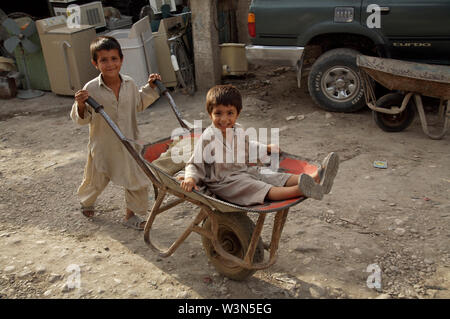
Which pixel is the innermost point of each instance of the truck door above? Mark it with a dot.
(414, 29)
(283, 22)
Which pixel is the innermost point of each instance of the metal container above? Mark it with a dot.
(8, 87)
(234, 61)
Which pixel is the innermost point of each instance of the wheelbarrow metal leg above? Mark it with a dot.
(255, 238)
(169, 206)
(423, 119)
(151, 219)
(198, 219)
(200, 230)
(156, 210)
(278, 225)
(155, 190)
(442, 108)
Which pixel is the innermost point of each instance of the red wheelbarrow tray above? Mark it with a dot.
(289, 163)
(167, 184)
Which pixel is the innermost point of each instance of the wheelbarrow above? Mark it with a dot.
(231, 239)
(395, 111)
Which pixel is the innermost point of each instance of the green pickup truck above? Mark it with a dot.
(323, 37)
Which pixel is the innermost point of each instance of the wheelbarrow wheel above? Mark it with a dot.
(394, 122)
(235, 232)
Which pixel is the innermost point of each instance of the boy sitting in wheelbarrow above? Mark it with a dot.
(108, 160)
(236, 181)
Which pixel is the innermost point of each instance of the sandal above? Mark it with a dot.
(134, 222)
(328, 171)
(309, 187)
(88, 212)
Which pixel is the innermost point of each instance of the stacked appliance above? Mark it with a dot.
(91, 12)
(138, 50)
(67, 54)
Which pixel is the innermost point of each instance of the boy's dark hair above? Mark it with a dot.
(104, 43)
(223, 95)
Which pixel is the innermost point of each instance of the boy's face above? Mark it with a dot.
(108, 63)
(224, 116)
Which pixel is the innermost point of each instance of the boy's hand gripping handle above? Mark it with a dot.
(94, 104)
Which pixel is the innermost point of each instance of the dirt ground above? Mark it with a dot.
(397, 218)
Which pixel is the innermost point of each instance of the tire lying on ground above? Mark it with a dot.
(334, 82)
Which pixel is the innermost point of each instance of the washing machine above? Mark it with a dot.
(67, 54)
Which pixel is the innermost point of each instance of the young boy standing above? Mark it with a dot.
(108, 160)
(235, 181)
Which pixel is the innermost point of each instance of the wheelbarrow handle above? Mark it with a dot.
(97, 107)
(161, 87)
(126, 142)
(163, 91)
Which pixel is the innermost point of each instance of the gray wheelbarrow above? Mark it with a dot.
(394, 112)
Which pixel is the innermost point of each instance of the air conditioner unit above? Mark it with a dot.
(90, 13)
(62, 1)
(156, 5)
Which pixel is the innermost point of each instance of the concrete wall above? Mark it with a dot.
(241, 18)
(208, 68)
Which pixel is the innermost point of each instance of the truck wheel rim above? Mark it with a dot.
(340, 84)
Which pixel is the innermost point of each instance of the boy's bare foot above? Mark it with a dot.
(309, 187)
(328, 171)
(88, 211)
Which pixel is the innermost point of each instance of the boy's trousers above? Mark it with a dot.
(95, 182)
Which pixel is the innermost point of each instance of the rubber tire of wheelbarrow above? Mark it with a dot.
(342, 57)
(239, 227)
(398, 122)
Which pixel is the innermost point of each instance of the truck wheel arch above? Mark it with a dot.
(329, 28)
(325, 32)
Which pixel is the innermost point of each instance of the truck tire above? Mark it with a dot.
(334, 82)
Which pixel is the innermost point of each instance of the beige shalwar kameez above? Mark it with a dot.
(108, 160)
(229, 176)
